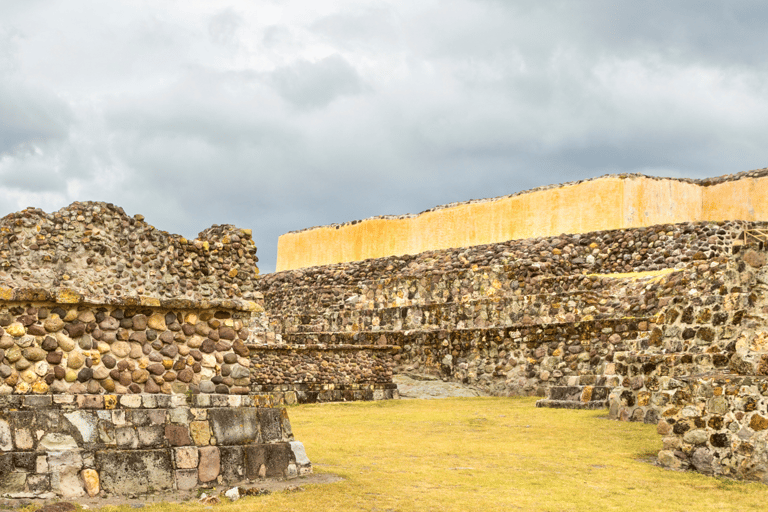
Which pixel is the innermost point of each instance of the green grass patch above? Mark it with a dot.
(482, 454)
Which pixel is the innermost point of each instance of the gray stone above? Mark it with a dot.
(186, 479)
(232, 463)
(274, 457)
(702, 461)
(210, 463)
(240, 372)
(86, 424)
(270, 420)
(235, 426)
(696, 436)
(135, 471)
(299, 454)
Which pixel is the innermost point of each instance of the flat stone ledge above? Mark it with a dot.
(572, 404)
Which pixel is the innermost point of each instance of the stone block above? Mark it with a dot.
(151, 436)
(186, 479)
(90, 401)
(235, 426)
(91, 480)
(299, 453)
(232, 463)
(274, 457)
(186, 457)
(65, 473)
(270, 420)
(210, 463)
(130, 472)
(38, 483)
(85, 423)
(177, 435)
(126, 437)
(201, 432)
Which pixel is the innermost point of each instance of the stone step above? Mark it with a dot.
(579, 393)
(429, 287)
(572, 404)
(575, 334)
(494, 310)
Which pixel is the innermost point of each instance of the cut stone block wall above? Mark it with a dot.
(68, 446)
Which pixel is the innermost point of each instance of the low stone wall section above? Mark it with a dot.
(67, 446)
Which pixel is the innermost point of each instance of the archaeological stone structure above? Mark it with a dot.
(126, 346)
(643, 295)
(126, 359)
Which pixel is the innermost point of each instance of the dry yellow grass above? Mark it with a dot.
(483, 454)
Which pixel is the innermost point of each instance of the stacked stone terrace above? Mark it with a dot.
(662, 324)
(511, 318)
(125, 358)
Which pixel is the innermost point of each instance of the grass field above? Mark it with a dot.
(480, 454)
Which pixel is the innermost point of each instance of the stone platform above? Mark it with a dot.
(67, 446)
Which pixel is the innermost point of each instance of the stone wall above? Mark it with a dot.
(664, 324)
(126, 359)
(65, 446)
(98, 252)
(610, 202)
(517, 317)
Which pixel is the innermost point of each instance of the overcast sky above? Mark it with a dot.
(281, 115)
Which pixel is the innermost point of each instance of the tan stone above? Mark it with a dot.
(7, 342)
(195, 341)
(91, 480)
(121, 349)
(201, 432)
(86, 316)
(136, 351)
(186, 457)
(16, 330)
(28, 376)
(75, 360)
(157, 322)
(53, 323)
(140, 376)
(66, 343)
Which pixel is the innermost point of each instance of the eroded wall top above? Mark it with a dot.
(609, 202)
(91, 251)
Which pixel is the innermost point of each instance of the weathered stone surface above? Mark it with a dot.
(136, 471)
(235, 426)
(186, 457)
(91, 481)
(274, 458)
(186, 479)
(210, 463)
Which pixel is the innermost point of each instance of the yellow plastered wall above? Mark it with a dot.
(603, 203)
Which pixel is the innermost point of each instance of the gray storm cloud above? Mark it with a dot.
(280, 116)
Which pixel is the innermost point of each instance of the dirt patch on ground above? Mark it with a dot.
(246, 488)
(412, 385)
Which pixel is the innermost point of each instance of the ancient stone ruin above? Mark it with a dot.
(659, 318)
(126, 359)
(125, 346)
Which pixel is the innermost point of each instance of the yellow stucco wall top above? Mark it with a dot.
(608, 202)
